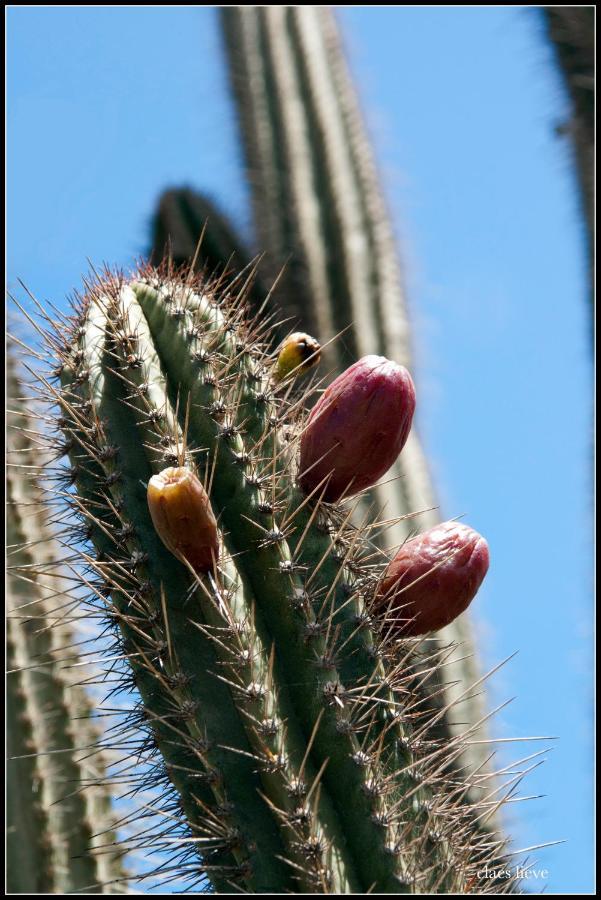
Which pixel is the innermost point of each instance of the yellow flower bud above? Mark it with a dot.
(299, 353)
(182, 516)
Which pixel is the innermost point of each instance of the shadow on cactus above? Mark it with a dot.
(286, 711)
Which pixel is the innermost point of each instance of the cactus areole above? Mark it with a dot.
(357, 429)
(432, 579)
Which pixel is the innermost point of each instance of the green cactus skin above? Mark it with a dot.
(319, 209)
(59, 820)
(296, 736)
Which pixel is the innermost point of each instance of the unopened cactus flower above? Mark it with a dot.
(357, 429)
(182, 516)
(298, 353)
(432, 579)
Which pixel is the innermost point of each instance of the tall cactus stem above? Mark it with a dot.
(65, 793)
(297, 736)
(319, 209)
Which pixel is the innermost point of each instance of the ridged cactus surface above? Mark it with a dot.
(320, 213)
(290, 720)
(59, 825)
(29, 862)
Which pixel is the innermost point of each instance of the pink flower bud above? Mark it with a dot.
(357, 429)
(432, 579)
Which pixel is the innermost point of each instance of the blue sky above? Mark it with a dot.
(107, 106)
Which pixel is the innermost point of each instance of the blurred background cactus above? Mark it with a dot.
(60, 824)
(571, 30)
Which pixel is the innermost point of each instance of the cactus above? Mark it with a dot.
(178, 224)
(59, 825)
(319, 211)
(571, 30)
(188, 228)
(29, 861)
(293, 729)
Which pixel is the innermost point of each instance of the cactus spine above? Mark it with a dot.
(319, 209)
(59, 820)
(295, 734)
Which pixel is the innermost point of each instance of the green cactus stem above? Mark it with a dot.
(29, 860)
(296, 734)
(184, 216)
(59, 817)
(319, 210)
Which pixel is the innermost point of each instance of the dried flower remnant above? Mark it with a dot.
(182, 516)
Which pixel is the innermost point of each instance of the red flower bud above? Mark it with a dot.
(432, 579)
(183, 519)
(357, 429)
